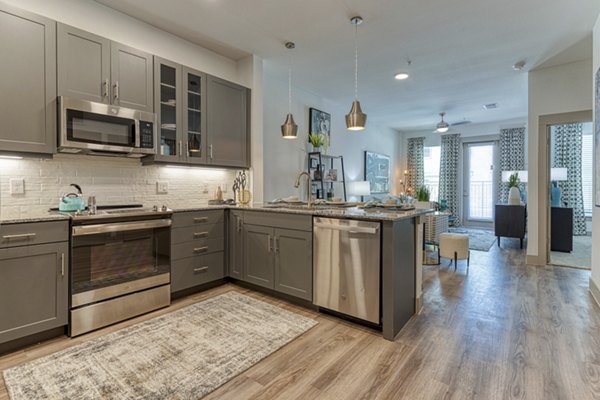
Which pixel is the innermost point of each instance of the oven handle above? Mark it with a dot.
(120, 227)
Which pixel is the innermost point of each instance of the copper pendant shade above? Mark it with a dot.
(289, 129)
(356, 119)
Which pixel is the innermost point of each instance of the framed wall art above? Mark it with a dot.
(377, 172)
(319, 122)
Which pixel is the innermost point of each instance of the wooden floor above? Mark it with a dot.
(505, 331)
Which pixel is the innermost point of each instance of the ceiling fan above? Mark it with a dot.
(443, 126)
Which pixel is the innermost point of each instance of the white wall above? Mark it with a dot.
(284, 159)
(596, 212)
(559, 89)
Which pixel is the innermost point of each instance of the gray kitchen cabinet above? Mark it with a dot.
(259, 262)
(131, 75)
(91, 67)
(275, 256)
(197, 248)
(293, 263)
(33, 289)
(168, 101)
(227, 123)
(27, 82)
(83, 65)
(235, 244)
(194, 116)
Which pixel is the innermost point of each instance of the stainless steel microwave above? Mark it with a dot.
(86, 127)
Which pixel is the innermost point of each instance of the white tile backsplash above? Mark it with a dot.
(111, 180)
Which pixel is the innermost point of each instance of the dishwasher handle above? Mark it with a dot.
(351, 229)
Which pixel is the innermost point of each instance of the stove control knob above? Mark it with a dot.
(78, 212)
(154, 208)
(163, 208)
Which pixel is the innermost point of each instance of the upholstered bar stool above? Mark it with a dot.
(454, 246)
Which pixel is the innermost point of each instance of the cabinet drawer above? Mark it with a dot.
(197, 247)
(198, 270)
(13, 235)
(191, 218)
(279, 220)
(200, 231)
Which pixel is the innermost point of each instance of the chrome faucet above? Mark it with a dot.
(308, 185)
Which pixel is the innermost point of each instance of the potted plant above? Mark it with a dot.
(514, 193)
(317, 140)
(423, 193)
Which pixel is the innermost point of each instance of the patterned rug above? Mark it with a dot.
(479, 239)
(185, 354)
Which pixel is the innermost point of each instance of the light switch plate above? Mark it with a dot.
(17, 186)
(162, 187)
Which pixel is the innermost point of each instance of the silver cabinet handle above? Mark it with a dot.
(120, 227)
(200, 234)
(210, 150)
(62, 264)
(187, 149)
(202, 249)
(276, 244)
(239, 224)
(116, 90)
(269, 241)
(105, 88)
(180, 149)
(20, 236)
(201, 219)
(201, 269)
(345, 228)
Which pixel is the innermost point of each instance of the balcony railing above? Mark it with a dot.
(481, 200)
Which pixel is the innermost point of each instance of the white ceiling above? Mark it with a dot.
(462, 51)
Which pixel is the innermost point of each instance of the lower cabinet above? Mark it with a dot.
(34, 286)
(194, 271)
(278, 258)
(235, 244)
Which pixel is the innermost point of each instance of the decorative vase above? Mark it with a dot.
(514, 196)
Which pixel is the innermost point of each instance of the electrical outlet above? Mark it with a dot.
(17, 186)
(162, 187)
(205, 188)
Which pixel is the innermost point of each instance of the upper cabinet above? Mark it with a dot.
(94, 68)
(227, 120)
(27, 82)
(203, 120)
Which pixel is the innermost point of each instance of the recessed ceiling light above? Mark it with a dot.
(401, 76)
(490, 106)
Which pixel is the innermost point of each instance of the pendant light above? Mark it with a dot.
(356, 119)
(442, 126)
(289, 129)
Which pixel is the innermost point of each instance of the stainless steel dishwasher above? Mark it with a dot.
(346, 262)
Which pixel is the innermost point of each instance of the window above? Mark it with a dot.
(431, 167)
(587, 168)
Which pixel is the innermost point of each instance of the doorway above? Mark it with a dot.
(571, 194)
(479, 184)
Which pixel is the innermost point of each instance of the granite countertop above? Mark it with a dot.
(35, 217)
(372, 214)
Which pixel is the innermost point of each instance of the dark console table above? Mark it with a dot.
(561, 229)
(510, 221)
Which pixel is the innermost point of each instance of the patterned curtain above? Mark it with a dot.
(566, 153)
(449, 155)
(512, 157)
(416, 174)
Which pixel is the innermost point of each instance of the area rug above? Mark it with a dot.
(479, 239)
(185, 354)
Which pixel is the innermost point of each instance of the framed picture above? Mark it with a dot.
(377, 172)
(319, 122)
(597, 137)
(331, 175)
(314, 162)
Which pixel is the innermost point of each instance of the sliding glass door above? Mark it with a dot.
(479, 184)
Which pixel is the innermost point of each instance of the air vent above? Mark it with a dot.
(490, 106)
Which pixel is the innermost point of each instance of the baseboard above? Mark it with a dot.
(595, 291)
(535, 260)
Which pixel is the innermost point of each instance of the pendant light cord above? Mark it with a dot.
(290, 80)
(356, 62)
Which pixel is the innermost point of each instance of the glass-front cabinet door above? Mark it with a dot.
(168, 105)
(194, 116)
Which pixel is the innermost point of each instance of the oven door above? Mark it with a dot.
(110, 260)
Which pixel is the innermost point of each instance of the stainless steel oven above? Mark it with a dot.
(102, 129)
(119, 269)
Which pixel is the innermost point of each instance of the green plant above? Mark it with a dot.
(513, 180)
(423, 193)
(316, 139)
